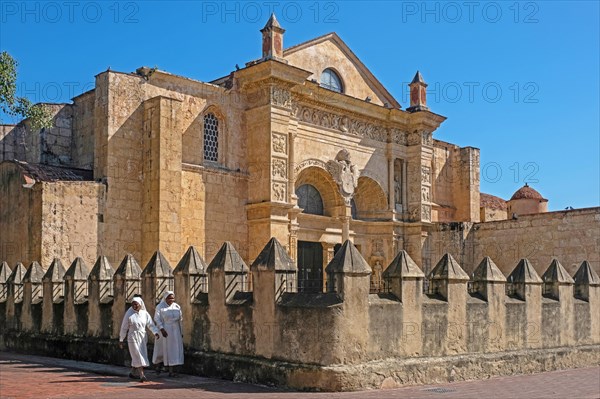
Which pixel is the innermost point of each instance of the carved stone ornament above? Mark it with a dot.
(279, 169)
(279, 143)
(425, 174)
(281, 97)
(279, 191)
(344, 174)
(308, 163)
(341, 123)
(426, 213)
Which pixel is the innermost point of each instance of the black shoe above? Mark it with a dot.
(143, 378)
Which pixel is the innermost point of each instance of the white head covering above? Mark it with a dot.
(163, 303)
(139, 300)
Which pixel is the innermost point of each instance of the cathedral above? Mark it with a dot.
(323, 237)
(303, 144)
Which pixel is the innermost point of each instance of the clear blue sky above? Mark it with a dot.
(518, 80)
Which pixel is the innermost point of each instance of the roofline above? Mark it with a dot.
(345, 48)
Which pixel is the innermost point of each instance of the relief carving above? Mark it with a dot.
(399, 137)
(344, 174)
(426, 213)
(279, 191)
(307, 163)
(281, 97)
(279, 169)
(279, 143)
(427, 138)
(426, 174)
(339, 122)
(398, 181)
(377, 245)
(425, 194)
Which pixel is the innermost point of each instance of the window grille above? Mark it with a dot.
(211, 138)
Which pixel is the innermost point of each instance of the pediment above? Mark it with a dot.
(329, 51)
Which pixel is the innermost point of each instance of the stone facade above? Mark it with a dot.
(303, 145)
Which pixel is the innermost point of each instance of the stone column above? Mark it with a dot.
(157, 278)
(349, 276)
(14, 300)
(191, 281)
(32, 298)
(273, 274)
(489, 282)
(53, 308)
(5, 273)
(449, 281)
(76, 298)
(227, 281)
(100, 283)
(404, 279)
(126, 283)
(587, 288)
(559, 285)
(527, 286)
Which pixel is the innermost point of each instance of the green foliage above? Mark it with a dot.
(13, 105)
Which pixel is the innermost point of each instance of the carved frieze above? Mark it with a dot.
(342, 123)
(399, 137)
(307, 163)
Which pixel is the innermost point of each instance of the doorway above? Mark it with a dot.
(310, 266)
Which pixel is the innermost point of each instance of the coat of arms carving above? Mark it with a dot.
(344, 174)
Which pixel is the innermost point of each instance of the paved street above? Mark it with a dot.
(24, 377)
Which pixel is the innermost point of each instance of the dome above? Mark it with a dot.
(526, 192)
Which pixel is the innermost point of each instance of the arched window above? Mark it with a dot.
(330, 80)
(211, 138)
(309, 199)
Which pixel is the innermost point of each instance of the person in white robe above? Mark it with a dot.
(133, 328)
(170, 322)
(157, 355)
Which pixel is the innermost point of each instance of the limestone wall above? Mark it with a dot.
(345, 326)
(50, 146)
(70, 215)
(20, 226)
(570, 236)
(82, 148)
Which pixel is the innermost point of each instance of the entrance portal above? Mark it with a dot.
(310, 266)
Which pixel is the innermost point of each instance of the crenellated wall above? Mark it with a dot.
(250, 323)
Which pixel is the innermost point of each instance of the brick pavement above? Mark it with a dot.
(25, 377)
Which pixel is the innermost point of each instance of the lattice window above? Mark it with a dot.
(211, 138)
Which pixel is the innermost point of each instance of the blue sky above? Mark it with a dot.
(518, 80)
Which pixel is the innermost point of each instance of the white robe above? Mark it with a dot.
(133, 328)
(170, 319)
(157, 355)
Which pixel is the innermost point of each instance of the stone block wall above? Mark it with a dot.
(571, 236)
(318, 340)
